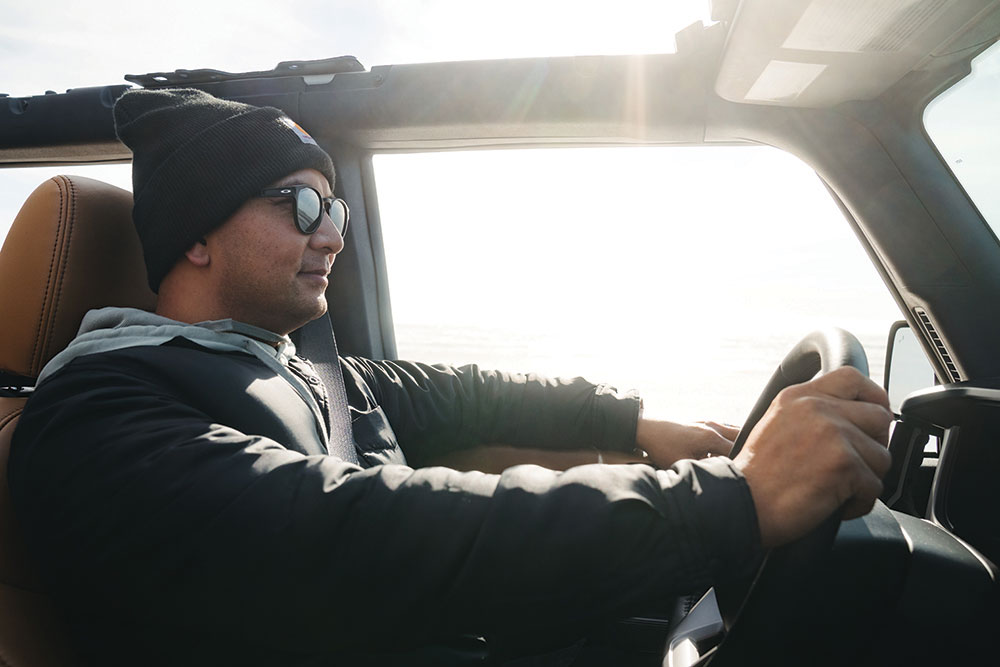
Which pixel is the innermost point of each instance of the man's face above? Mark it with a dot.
(267, 273)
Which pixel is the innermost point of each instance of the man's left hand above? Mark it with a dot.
(666, 442)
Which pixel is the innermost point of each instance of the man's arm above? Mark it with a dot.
(470, 419)
(821, 446)
(439, 411)
(658, 442)
(179, 523)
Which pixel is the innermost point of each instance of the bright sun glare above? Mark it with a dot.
(677, 271)
(624, 265)
(75, 44)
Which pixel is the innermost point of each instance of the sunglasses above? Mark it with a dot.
(308, 207)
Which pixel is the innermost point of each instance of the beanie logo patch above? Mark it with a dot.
(294, 127)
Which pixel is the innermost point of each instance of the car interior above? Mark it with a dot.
(843, 86)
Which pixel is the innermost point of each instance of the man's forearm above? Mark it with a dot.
(497, 458)
(436, 411)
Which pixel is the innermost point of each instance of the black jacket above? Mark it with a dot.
(179, 511)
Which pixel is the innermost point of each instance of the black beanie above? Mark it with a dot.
(196, 159)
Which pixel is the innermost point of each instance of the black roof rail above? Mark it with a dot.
(325, 66)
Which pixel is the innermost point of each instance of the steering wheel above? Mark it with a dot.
(765, 610)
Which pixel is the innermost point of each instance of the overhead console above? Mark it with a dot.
(808, 54)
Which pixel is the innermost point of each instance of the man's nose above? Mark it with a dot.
(326, 237)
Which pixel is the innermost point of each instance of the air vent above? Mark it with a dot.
(938, 344)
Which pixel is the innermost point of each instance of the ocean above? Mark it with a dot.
(686, 273)
(683, 376)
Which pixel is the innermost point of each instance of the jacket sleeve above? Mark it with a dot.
(138, 503)
(437, 409)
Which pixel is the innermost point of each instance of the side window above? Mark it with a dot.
(964, 124)
(686, 273)
(17, 184)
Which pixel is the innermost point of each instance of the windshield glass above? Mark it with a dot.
(964, 124)
(686, 273)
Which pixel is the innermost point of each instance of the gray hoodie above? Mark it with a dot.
(107, 329)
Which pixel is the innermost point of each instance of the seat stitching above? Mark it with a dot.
(10, 417)
(36, 351)
(64, 263)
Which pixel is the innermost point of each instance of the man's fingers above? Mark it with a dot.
(727, 431)
(848, 383)
(859, 466)
(873, 453)
(871, 419)
(707, 441)
(866, 490)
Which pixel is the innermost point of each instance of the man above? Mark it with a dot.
(175, 477)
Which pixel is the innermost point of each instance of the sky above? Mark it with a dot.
(709, 315)
(70, 44)
(964, 123)
(65, 44)
(686, 273)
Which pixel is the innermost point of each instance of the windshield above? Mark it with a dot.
(686, 273)
(964, 124)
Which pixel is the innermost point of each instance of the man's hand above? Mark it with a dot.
(820, 446)
(667, 442)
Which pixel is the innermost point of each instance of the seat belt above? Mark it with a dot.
(315, 341)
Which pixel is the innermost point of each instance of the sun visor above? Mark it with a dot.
(824, 52)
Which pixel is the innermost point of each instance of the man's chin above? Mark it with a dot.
(316, 312)
(299, 318)
(321, 308)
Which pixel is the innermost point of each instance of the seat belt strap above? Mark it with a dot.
(315, 341)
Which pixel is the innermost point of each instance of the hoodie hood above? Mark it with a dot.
(108, 329)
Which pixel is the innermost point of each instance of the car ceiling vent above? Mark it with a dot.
(942, 351)
(862, 26)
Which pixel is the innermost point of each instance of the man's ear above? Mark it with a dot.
(198, 253)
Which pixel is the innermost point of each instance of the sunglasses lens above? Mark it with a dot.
(338, 214)
(308, 207)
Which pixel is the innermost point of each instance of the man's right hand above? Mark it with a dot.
(820, 446)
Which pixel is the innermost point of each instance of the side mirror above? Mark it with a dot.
(906, 367)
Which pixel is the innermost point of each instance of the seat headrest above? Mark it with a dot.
(71, 248)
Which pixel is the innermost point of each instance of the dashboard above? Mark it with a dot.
(964, 495)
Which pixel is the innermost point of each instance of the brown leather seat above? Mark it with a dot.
(71, 248)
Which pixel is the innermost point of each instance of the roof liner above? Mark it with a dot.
(825, 52)
(681, 98)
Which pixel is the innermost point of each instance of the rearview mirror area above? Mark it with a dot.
(906, 366)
